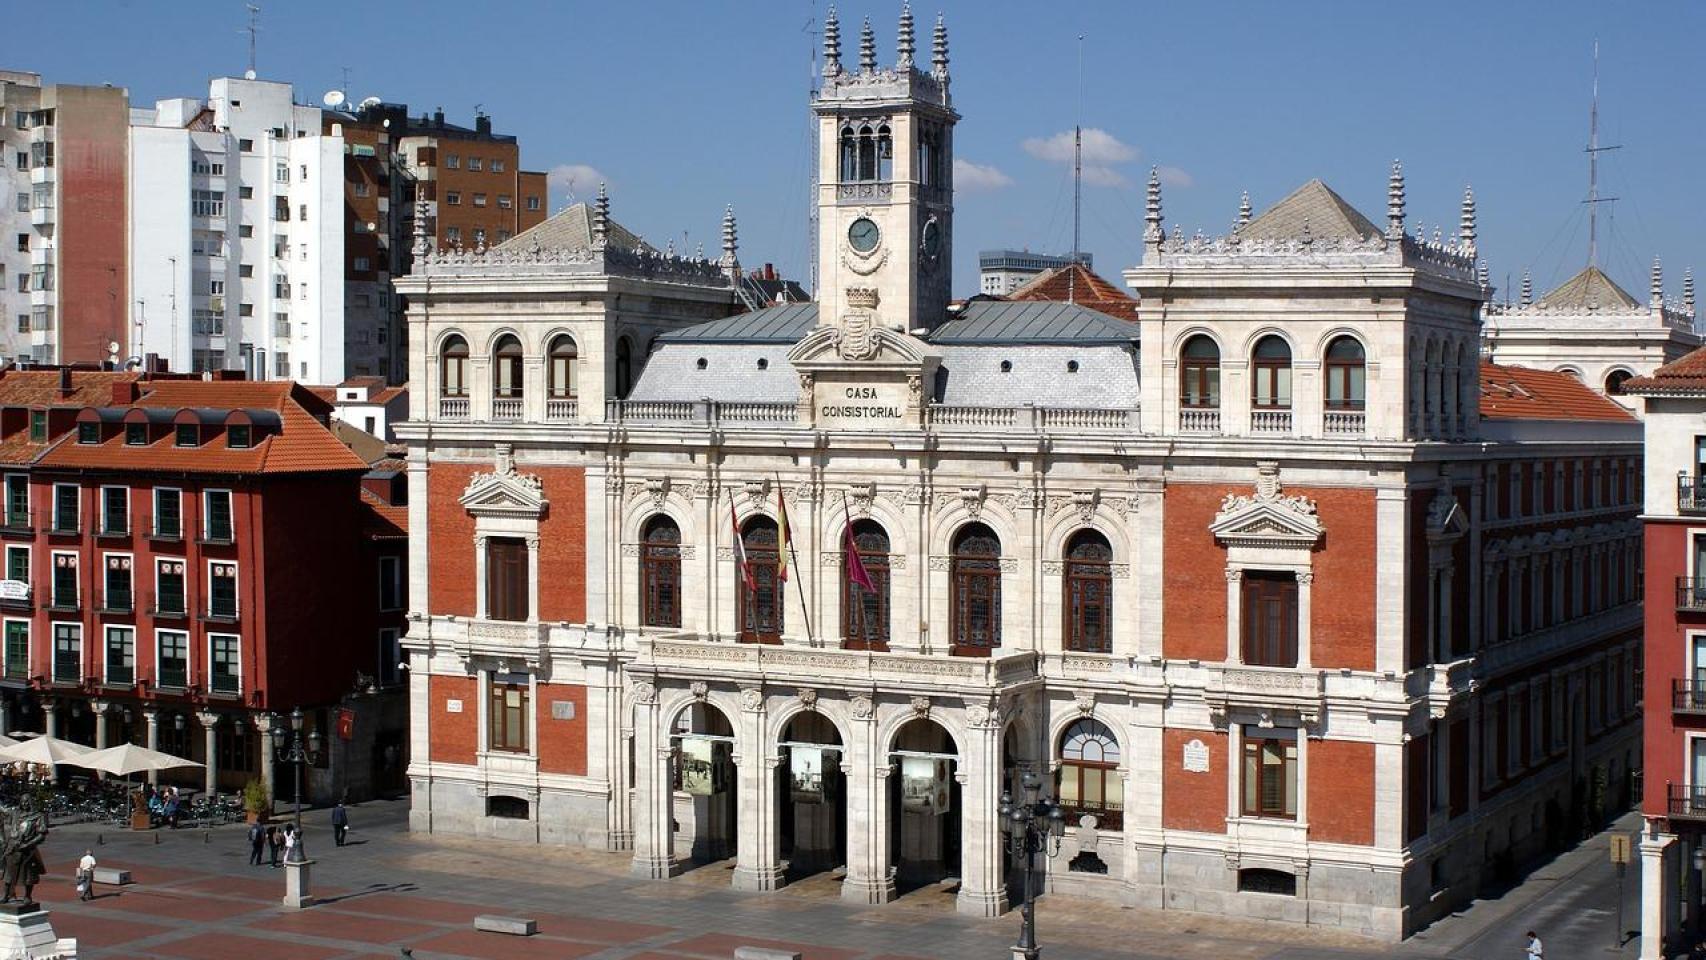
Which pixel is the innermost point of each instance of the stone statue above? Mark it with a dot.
(21, 834)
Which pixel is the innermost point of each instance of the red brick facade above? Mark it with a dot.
(1193, 801)
(562, 545)
(453, 736)
(450, 539)
(562, 743)
(1341, 805)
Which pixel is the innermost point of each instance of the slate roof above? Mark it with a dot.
(571, 229)
(1079, 284)
(1590, 289)
(1004, 322)
(1686, 375)
(1314, 203)
(788, 323)
(1521, 393)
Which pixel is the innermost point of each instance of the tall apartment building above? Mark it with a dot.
(471, 179)
(237, 234)
(64, 265)
(1001, 272)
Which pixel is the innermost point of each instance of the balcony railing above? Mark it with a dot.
(1270, 421)
(1686, 802)
(1687, 697)
(1690, 494)
(173, 676)
(561, 409)
(1344, 423)
(506, 408)
(453, 408)
(698, 411)
(1691, 593)
(1199, 420)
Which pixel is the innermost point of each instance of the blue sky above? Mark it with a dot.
(684, 107)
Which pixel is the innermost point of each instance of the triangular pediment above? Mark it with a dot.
(827, 345)
(1278, 521)
(504, 494)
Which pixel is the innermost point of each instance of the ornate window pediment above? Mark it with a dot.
(504, 493)
(1267, 518)
(1446, 519)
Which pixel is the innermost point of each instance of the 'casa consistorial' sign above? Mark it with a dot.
(860, 373)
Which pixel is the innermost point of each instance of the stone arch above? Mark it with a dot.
(891, 718)
(636, 514)
(1269, 330)
(1061, 720)
(1104, 520)
(672, 701)
(893, 521)
(444, 338)
(498, 333)
(1184, 336)
(828, 706)
(948, 522)
(1326, 338)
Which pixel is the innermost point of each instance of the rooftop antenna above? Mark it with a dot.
(1077, 176)
(830, 29)
(252, 30)
(1593, 151)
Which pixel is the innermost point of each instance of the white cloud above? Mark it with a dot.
(578, 178)
(1174, 177)
(1102, 152)
(977, 176)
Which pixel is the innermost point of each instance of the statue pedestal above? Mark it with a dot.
(26, 934)
(296, 893)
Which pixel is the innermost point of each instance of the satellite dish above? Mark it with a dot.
(333, 98)
(248, 74)
(112, 347)
(371, 226)
(371, 102)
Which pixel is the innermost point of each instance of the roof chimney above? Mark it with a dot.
(124, 393)
(64, 382)
(149, 364)
(438, 117)
(483, 124)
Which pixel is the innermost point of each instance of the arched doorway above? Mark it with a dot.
(702, 745)
(924, 806)
(811, 797)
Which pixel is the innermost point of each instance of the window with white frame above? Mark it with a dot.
(222, 591)
(172, 659)
(223, 663)
(168, 513)
(18, 563)
(169, 587)
(216, 513)
(1269, 773)
(67, 653)
(65, 594)
(17, 652)
(17, 500)
(115, 511)
(67, 504)
(119, 592)
(120, 656)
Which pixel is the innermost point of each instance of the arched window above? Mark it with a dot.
(1199, 373)
(1089, 593)
(885, 154)
(1614, 382)
(864, 613)
(867, 153)
(975, 588)
(1271, 385)
(660, 573)
(1090, 780)
(506, 367)
(624, 368)
(849, 155)
(561, 360)
(1346, 374)
(453, 367)
(760, 590)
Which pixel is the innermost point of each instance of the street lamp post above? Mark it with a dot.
(298, 754)
(1032, 825)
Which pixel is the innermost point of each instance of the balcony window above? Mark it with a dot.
(18, 563)
(17, 649)
(121, 656)
(66, 506)
(660, 573)
(172, 659)
(453, 367)
(217, 507)
(974, 586)
(115, 511)
(1269, 619)
(65, 581)
(506, 579)
(67, 653)
(222, 591)
(169, 588)
(1090, 780)
(119, 585)
(865, 613)
(506, 368)
(17, 500)
(762, 604)
(1270, 774)
(1088, 582)
(168, 513)
(1199, 373)
(1271, 364)
(1346, 374)
(507, 708)
(560, 367)
(224, 664)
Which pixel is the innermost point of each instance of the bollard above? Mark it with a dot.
(207, 836)
(100, 839)
(156, 839)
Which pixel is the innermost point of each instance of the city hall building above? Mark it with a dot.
(1300, 609)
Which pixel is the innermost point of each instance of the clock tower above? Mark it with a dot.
(885, 195)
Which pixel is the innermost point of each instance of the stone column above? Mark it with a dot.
(757, 866)
(152, 717)
(481, 601)
(867, 879)
(100, 710)
(210, 744)
(264, 723)
(1658, 899)
(654, 794)
(532, 579)
(982, 893)
(50, 718)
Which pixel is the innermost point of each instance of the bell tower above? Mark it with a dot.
(885, 197)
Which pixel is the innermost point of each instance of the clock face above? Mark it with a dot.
(932, 242)
(863, 235)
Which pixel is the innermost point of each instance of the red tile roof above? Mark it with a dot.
(303, 444)
(40, 388)
(1519, 393)
(1684, 375)
(381, 520)
(1083, 287)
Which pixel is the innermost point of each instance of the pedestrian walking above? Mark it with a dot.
(257, 840)
(273, 840)
(86, 876)
(340, 823)
(290, 841)
(1536, 950)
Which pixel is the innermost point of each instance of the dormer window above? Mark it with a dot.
(88, 433)
(136, 434)
(38, 426)
(237, 436)
(188, 435)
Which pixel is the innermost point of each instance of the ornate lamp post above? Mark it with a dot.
(1033, 825)
(294, 752)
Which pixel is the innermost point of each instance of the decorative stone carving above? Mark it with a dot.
(861, 707)
(921, 706)
(755, 491)
(858, 339)
(860, 496)
(971, 497)
(700, 689)
(502, 491)
(941, 564)
(978, 713)
(808, 698)
(1085, 703)
(1268, 518)
(1054, 568)
(751, 699)
(657, 488)
(915, 391)
(644, 691)
(1084, 502)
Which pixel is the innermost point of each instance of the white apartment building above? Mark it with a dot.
(20, 94)
(237, 234)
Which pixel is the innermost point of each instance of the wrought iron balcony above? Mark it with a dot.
(1691, 593)
(1686, 802)
(1690, 494)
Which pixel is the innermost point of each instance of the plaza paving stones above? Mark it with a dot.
(350, 927)
(225, 946)
(498, 946)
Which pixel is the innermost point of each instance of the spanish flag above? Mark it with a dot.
(740, 548)
(782, 538)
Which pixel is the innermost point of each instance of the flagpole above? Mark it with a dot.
(805, 608)
(859, 595)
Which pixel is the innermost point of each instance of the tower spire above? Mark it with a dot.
(1688, 290)
(1244, 210)
(903, 38)
(601, 218)
(1395, 202)
(1527, 290)
(730, 262)
(1152, 232)
(1466, 227)
(939, 50)
(1658, 284)
(831, 44)
(867, 48)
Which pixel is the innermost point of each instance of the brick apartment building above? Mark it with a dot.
(157, 536)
